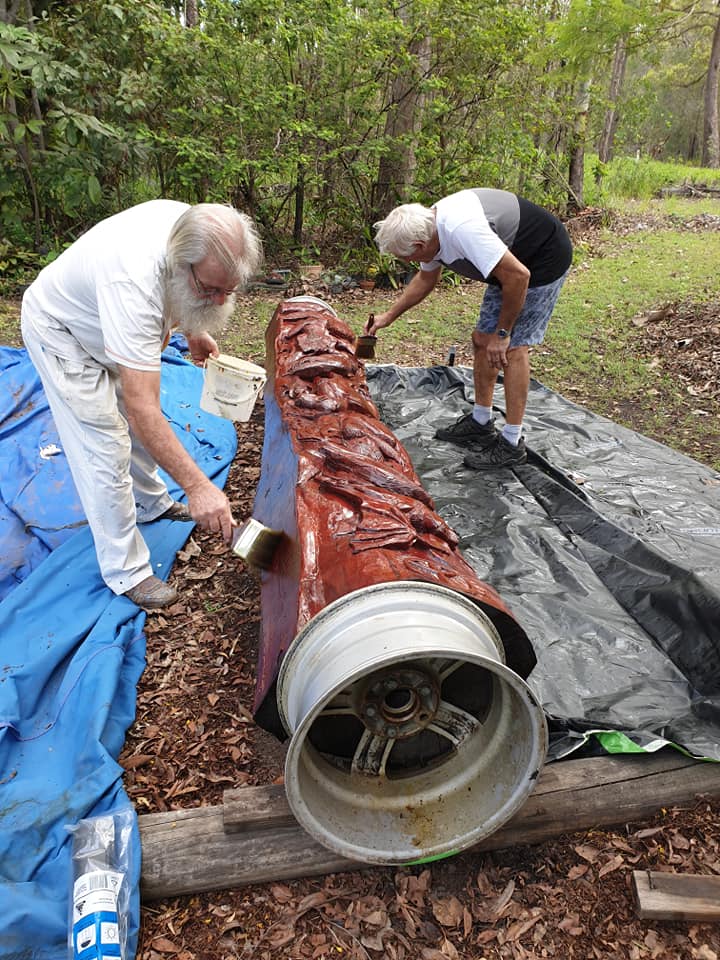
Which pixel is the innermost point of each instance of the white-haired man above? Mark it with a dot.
(523, 253)
(95, 322)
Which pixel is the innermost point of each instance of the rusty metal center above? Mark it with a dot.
(399, 702)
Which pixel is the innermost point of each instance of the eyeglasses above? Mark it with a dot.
(209, 292)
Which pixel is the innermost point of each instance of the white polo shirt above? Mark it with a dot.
(465, 234)
(105, 290)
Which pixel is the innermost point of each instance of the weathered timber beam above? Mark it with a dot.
(256, 808)
(191, 851)
(676, 896)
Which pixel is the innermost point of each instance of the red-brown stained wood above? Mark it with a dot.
(337, 481)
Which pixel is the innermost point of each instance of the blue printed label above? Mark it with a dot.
(97, 937)
(96, 932)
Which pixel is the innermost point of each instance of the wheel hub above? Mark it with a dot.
(399, 702)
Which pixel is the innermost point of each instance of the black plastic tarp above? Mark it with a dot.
(605, 546)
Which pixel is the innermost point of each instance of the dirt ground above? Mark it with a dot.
(194, 737)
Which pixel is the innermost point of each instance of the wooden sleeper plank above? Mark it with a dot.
(189, 851)
(676, 896)
(256, 808)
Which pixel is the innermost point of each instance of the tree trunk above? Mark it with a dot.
(9, 11)
(299, 206)
(40, 136)
(397, 168)
(191, 13)
(711, 135)
(577, 148)
(21, 148)
(605, 147)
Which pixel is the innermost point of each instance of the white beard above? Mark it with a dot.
(191, 314)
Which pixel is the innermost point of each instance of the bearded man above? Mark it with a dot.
(95, 322)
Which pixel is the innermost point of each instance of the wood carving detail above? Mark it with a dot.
(344, 489)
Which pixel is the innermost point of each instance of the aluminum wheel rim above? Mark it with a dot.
(343, 664)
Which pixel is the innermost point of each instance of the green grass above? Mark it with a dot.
(592, 327)
(245, 336)
(445, 317)
(679, 208)
(641, 179)
(10, 323)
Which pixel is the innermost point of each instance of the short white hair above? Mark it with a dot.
(218, 231)
(403, 228)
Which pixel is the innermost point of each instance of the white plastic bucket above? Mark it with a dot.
(231, 387)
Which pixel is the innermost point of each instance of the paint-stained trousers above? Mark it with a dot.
(115, 477)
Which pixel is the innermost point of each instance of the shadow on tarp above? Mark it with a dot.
(605, 546)
(71, 652)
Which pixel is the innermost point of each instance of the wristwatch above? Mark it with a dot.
(502, 333)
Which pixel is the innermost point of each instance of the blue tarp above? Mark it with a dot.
(71, 652)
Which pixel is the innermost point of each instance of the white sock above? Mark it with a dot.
(511, 432)
(482, 414)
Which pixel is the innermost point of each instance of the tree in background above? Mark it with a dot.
(316, 116)
(670, 83)
(192, 17)
(711, 135)
(590, 39)
(406, 95)
(617, 75)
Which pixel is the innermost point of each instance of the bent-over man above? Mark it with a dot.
(95, 322)
(523, 253)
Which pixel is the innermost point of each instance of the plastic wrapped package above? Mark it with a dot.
(99, 902)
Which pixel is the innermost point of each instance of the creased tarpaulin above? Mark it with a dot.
(605, 546)
(71, 652)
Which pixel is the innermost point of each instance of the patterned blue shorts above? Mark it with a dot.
(530, 326)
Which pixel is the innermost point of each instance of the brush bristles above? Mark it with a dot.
(262, 552)
(256, 544)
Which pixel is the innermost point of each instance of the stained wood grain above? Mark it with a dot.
(256, 808)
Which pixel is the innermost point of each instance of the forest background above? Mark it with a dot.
(318, 116)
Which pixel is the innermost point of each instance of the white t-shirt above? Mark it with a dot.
(465, 234)
(105, 291)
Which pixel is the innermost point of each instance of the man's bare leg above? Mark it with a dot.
(516, 379)
(471, 429)
(484, 376)
(508, 448)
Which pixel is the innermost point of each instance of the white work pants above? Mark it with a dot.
(116, 479)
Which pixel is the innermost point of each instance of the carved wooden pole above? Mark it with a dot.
(337, 481)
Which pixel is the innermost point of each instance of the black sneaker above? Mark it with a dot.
(500, 454)
(469, 433)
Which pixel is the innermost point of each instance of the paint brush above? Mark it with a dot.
(365, 347)
(256, 544)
